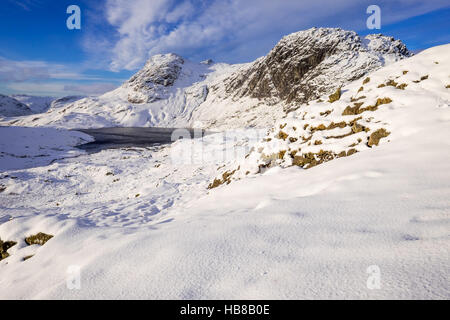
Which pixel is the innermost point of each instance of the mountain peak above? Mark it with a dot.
(307, 64)
(10, 107)
(160, 71)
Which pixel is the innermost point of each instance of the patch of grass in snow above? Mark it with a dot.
(4, 246)
(282, 135)
(226, 178)
(356, 109)
(335, 96)
(375, 137)
(39, 238)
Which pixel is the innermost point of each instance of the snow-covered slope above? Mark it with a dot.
(30, 147)
(388, 104)
(170, 91)
(140, 223)
(300, 68)
(10, 107)
(35, 103)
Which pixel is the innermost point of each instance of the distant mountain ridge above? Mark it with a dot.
(302, 66)
(170, 91)
(10, 107)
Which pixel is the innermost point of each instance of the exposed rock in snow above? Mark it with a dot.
(307, 64)
(151, 82)
(139, 222)
(369, 112)
(10, 107)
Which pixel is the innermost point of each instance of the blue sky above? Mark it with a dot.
(40, 56)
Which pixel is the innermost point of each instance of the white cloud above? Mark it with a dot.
(26, 70)
(88, 89)
(146, 27)
(57, 89)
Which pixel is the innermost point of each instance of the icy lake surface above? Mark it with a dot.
(117, 137)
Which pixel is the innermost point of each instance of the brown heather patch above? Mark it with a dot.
(356, 99)
(226, 178)
(381, 101)
(282, 126)
(405, 72)
(357, 128)
(4, 246)
(335, 96)
(351, 151)
(375, 137)
(351, 123)
(282, 135)
(306, 139)
(356, 109)
(381, 85)
(292, 139)
(447, 86)
(310, 159)
(333, 125)
(421, 79)
(360, 89)
(281, 154)
(325, 113)
(402, 86)
(320, 127)
(391, 83)
(341, 136)
(39, 238)
(317, 142)
(366, 80)
(341, 154)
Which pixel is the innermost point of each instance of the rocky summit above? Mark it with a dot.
(308, 64)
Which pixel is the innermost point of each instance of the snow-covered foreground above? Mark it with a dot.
(290, 233)
(141, 223)
(30, 147)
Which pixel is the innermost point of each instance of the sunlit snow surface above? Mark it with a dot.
(140, 222)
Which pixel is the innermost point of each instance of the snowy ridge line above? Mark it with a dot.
(170, 91)
(355, 118)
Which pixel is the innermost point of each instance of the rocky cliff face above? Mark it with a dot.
(308, 64)
(151, 82)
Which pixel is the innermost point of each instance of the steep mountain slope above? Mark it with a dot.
(393, 102)
(10, 107)
(174, 92)
(300, 68)
(35, 103)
